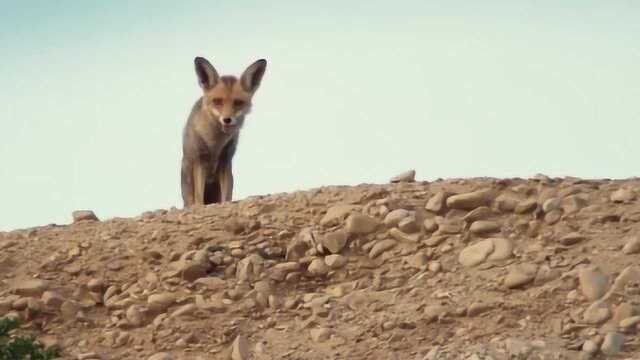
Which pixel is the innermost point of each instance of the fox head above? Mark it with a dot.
(227, 98)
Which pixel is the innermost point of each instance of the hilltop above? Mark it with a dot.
(540, 268)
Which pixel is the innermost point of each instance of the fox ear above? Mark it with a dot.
(251, 77)
(207, 74)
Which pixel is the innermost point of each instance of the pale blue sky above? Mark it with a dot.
(94, 95)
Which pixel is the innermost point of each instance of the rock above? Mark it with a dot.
(572, 239)
(551, 204)
(160, 356)
(629, 322)
(408, 225)
(430, 225)
(435, 267)
(475, 254)
(190, 270)
(335, 241)
(401, 236)
(52, 299)
(434, 312)
(546, 274)
(88, 356)
(320, 334)
(623, 196)
(162, 301)
(249, 268)
(419, 260)
(435, 240)
(481, 213)
(361, 224)
(628, 274)
(595, 314)
(134, 316)
(95, 285)
(437, 202)
(83, 215)
(240, 349)
(235, 225)
(572, 204)
(472, 200)
(518, 349)
(335, 261)
(30, 287)
(590, 347)
(450, 227)
(212, 283)
(485, 226)
(185, 310)
(380, 247)
(318, 267)
(553, 217)
(623, 311)
(502, 249)
(69, 309)
(507, 202)
(407, 176)
(520, 275)
(612, 343)
(394, 217)
(593, 282)
(296, 250)
(478, 308)
(336, 214)
(526, 206)
(632, 246)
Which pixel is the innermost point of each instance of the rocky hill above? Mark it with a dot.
(541, 268)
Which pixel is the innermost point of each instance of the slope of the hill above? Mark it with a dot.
(454, 269)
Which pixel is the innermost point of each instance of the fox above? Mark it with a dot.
(211, 133)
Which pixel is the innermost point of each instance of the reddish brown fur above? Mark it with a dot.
(212, 131)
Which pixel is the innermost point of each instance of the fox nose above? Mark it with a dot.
(226, 121)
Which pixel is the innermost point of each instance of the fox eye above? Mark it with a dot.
(238, 103)
(217, 101)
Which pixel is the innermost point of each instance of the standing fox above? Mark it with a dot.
(211, 134)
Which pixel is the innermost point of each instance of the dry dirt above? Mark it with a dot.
(479, 268)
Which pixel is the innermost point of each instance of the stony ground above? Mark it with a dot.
(476, 269)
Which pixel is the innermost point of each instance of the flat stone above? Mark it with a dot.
(335, 261)
(361, 224)
(407, 176)
(160, 356)
(30, 287)
(381, 246)
(335, 241)
(394, 217)
(526, 206)
(336, 214)
(502, 249)
(572, 239)
(551, 204)
(593, 282)
(318, 267)
(481, 213)
(472, 200)
(520, 275)
(507, 202)
(595, 314)
(632, 246)
(430, 225)
(408, 225)
(623, 196)
(485, 226)
(629, 322)
(240, 349)
(320, 334)
(612, 343)
(83, 215)
(402, 236)
(435, 240)
(475, 254)
(161, 301)
(437, 202)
